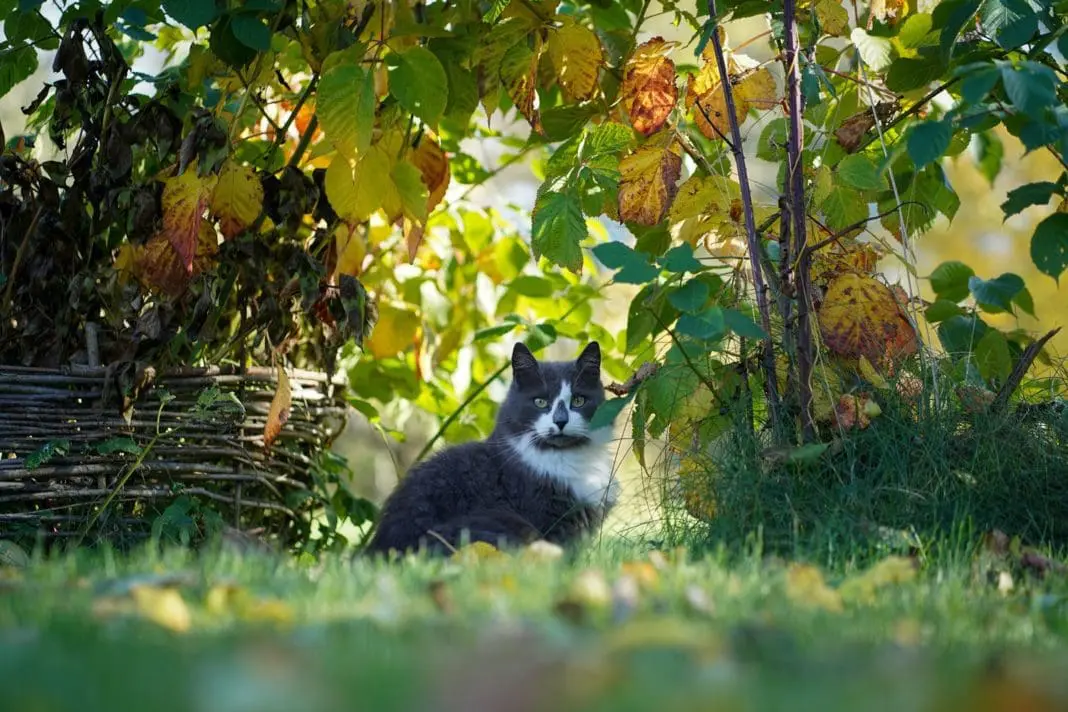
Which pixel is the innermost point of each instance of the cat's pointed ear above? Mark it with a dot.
(589, 361)
(524, 366)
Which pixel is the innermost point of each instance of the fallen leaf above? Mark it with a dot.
(476, 551)
(279, 412)
(805, 586)
(162, 606)
(890, 571)
(542, 550)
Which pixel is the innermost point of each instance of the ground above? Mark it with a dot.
(618, 627)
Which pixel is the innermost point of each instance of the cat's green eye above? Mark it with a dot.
(541, 403)
(577, 401)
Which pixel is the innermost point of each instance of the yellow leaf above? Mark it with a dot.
(162, 606)
(394, 332)
(834, 20)
(703, 195)
(577, 56)
(279, 412)
(356, 189)
(889, 11)
(649, 92)
(758, 89)
(126, 262)
(185, 201)
(805, 586)
(591, 589)
(891, 570)
(351, 249)
(476, 551)
(648, 183)
(695, 481)
(237, 198)
(871, 375)
(860, 317)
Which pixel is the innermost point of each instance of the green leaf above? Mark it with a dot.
(952, 17)
(860, 172)
(607, 412)
(807, 454)
(226, 46)
(492, 332)
(1049, 245)
(609, 138)
(1031, 87)
(532, 286)
(192, 13)
(991, 155)
(49, 450)
(772, 143)
(996, 295)
(914, 31)
(908, 73)
(709, 325)
(15, 66)
(742, 325)
(928, 142)
(950, 280)
(690, 297)
(1025, 301)
(941, 310)
(346, 105)
(992, 356)
(1012, 22)
(653, 240)
(495, 11)
(564, 122)
(113, 445)
(29, 27)
(419, 82)
(412, 190)
(251, 31)
(634, 267)
(680, 259)
(875, 51)
(1025, 196)
(558, 228)
(844, 207)
(978, 82)
(960, 334)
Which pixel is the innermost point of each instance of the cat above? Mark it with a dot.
(543, 473)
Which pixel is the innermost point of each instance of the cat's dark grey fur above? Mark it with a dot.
(542, 473)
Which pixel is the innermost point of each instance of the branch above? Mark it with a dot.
(646, 371)
(859, 224)
(752, 238)
(1016, 377)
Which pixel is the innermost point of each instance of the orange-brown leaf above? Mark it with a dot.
(860, 317)
(159, 266)
(279, 412)
(433, 164)
(649, 91)
(648, 183)
(185, 200)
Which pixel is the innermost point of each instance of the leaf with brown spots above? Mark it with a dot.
(648, 183)
(649, 92)
(860, 317)
(279, 412)
(158, 266)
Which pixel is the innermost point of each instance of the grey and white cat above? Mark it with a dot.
(543, 473)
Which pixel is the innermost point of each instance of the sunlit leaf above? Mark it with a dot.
(185, 202)
(519, 73)
(577, 57)
(237, 198)
(280, 408)
(558, 228)
(419, 82)
(345, 104)
(648, 183)
(860, 317)
(649, 92)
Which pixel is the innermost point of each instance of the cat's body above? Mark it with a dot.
(542, 473)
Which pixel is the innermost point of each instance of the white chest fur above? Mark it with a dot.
(587, 470)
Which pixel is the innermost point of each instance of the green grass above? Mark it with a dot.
(608, 629)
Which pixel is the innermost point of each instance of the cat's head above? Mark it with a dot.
(551, 403)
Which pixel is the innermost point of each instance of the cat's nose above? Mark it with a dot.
(560, 416)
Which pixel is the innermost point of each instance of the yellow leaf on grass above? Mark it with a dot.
(476, 551)
(890, 571)
(279, 412)
(185, 202)
(805, 586)
(577, 57)
(649, 92)
(860, 317)
(237, 198)
(162, 606)
(648, 183)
